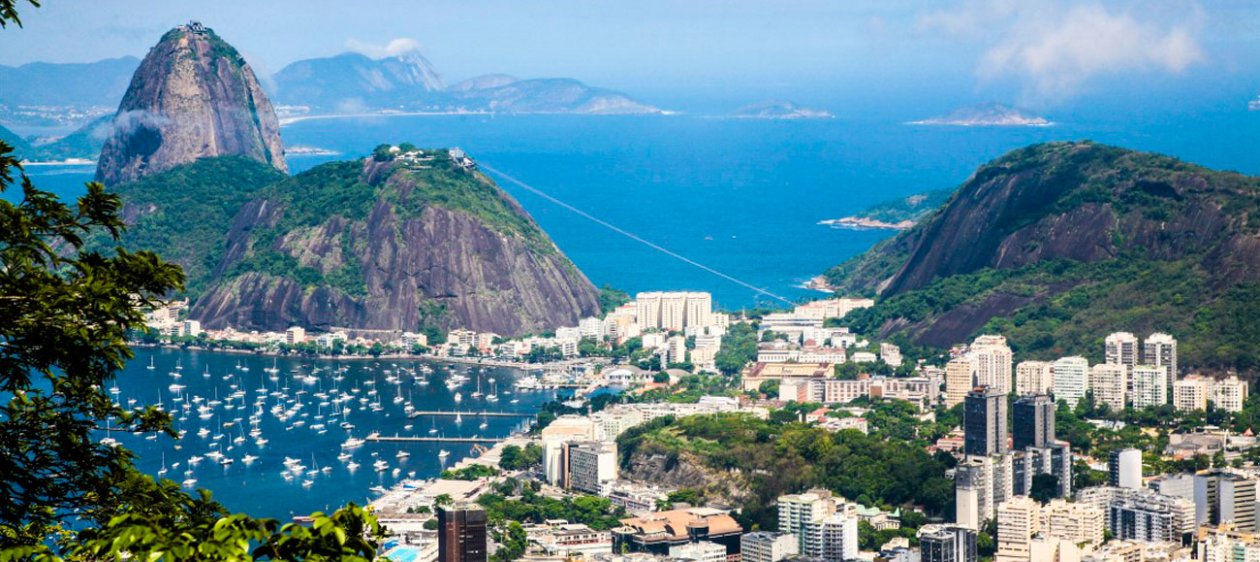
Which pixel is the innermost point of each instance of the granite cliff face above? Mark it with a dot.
(392, 245)
(1057, 244)
(192, 97)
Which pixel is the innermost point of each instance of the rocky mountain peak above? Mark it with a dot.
(192, 97)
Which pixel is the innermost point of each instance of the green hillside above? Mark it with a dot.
(1076, 240)
(184, 214)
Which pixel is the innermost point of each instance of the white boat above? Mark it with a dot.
(352, 443)
(380, 466)
(190, 482)
(459, 397)
(352, 466)
(443, 454)
(249, 459)
(151, 365)
(402, 454)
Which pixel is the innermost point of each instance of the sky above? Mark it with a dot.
(1050, 54)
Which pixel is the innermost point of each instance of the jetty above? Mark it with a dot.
(455, 413)
(378, 438)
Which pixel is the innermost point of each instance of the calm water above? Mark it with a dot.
(742, 196)
(287, 410)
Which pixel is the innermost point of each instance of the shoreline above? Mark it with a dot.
(859, 223)
(402, 356)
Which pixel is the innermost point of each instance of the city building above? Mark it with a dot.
(960, 378)
(1071, 379)
(1125, 468)
(462, 534)
(1229, 394)
(947, 544)
(699, 551)
(656, 533)
(1034, 377)
(294, 335)
(1191, 393)
(1109, 383)
(993, 362)
(980, 485)
(765, 546)
(1018, 521)
(890, 354)
(984, 422)
(1150, 386)
(826, 527)
(1054, 459)
(1121, 348)
(1078, 523)
(1226, 543)
(1160, 350)
(1033, 421)
(1142, 515)
(673, 311)
(592, 466)
(1225, 497)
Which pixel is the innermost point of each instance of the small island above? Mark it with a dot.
(987, 115)
(775, 109)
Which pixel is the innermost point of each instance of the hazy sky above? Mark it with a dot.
(1042, 54)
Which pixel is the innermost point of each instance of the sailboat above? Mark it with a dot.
(162, 471)
(478, 393)
(151, 365)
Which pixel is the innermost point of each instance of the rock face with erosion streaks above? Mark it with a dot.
(392, 245)
(192, 97)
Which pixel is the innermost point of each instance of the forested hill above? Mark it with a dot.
(1056, 245)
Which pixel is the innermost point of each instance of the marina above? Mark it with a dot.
(283, 437)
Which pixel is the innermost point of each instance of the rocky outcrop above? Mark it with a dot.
(404, 246)
(192, 97)
(1057, 244)
(1083, 202)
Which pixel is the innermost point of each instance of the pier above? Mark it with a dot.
(378, 438)
(453, 413)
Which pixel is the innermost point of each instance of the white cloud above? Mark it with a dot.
(393, 48)
(1056, 48)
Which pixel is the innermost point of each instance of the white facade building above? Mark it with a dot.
(1071, 379)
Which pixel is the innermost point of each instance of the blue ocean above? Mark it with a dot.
(743, 197)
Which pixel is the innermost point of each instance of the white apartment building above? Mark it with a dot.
(1071, 379)
(993, 362)
(890, 354)
(1121, 348)
(1191, 393)
(1108, 381)
(1034, 377)
(1150, 386)
(294, 335)
(673, 311)
(699, 551)
(1229, 394)
(764, 546)
(1075, 522)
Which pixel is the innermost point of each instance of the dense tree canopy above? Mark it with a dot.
(65, 312)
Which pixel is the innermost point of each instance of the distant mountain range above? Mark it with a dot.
(987, 115)
(354, 83)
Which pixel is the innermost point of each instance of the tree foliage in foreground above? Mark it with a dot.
(65, 312)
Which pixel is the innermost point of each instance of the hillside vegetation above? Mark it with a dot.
(1056, 245)
(183, 214)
